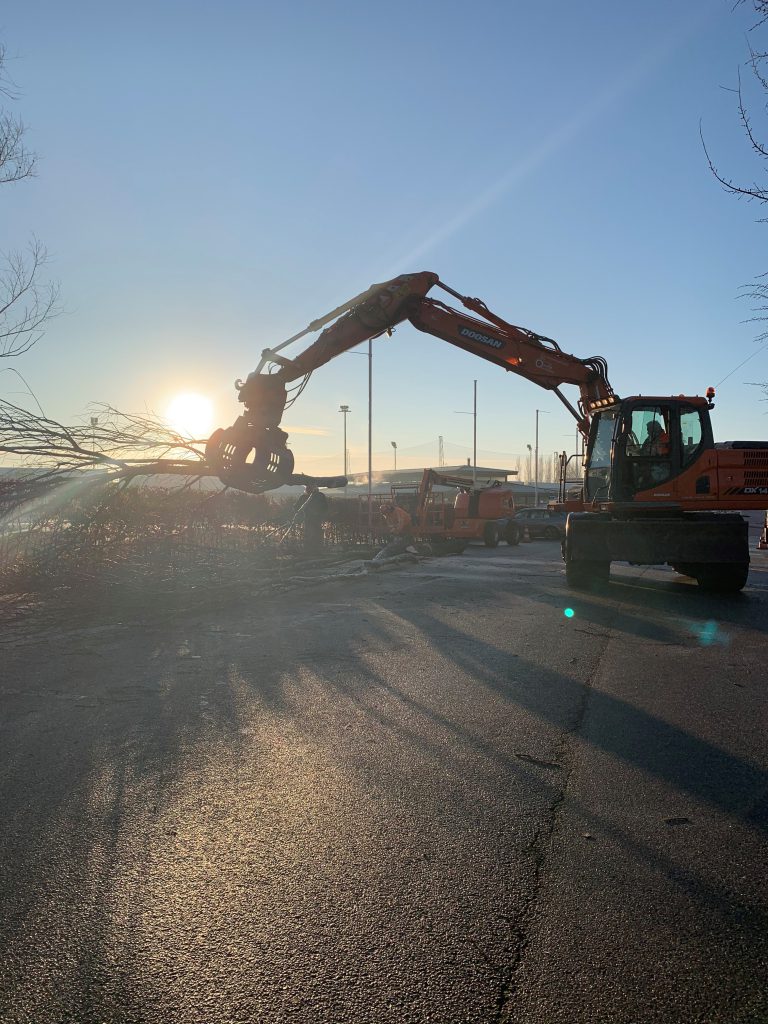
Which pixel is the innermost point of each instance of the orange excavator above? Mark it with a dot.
(472, 512)
(656, 486)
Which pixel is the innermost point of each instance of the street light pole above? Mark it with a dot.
(344, 409)
(369, 356)
(394, 449)
(474, 437)
(370, 437)
(536, 465)
(536, 461)
(473, 414)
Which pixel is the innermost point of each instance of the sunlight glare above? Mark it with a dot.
(191, 415)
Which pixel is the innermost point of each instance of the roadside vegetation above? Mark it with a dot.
(84, 539)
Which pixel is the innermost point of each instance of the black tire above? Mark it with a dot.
(552, 533)
(512, 534)
(491, 535)
(583, 575)
(722, 579)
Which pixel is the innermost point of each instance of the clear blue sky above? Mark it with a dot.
(214, 176)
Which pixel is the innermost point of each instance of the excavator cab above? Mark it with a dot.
(638, 447)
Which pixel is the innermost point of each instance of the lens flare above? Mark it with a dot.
(709, 633)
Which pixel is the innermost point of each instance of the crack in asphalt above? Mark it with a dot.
(543, 838)
(552, 765)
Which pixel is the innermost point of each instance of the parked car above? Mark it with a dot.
(542, 522)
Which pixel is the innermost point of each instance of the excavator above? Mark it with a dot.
(657, 489)
(472, 512)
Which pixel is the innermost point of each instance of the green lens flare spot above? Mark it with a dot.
(569, 613)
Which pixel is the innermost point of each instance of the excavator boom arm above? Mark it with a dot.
(256, 441)
(520, 351)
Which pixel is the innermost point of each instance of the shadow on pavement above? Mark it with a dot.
(88, 806)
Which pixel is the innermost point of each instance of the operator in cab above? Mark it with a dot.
(657, 441)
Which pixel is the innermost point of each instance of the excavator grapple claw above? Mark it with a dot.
(250, 459)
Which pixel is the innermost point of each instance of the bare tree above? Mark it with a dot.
(757, 190)
(122, 445)
(760, 8)
(16, 161)
(758, 65)
(25, 304)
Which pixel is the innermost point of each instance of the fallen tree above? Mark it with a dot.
(123, 445)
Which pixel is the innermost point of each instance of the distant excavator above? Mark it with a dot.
(656, 486)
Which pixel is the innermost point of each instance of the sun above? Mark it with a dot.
(190, 414)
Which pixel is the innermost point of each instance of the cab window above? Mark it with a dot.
(648, 446)
(691, 435)
(598, 465)
(649, 432)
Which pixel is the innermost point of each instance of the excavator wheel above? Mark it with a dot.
(583, 575)
(722, 579)
(719, 578)
(491, 535)
(512, 534)
(683, 569)
(239, 464)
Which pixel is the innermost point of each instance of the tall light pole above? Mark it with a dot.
(394, 449)
(536, 460)
(369, 355)
(344, 409)
(473, 414)
(94, 424)
(370, 437)
(474, 436)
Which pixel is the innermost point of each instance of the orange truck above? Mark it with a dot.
(472, 513)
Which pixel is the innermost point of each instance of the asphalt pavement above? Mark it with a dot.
(454, 791)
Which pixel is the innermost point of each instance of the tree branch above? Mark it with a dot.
(121, 444)
(25, 306)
